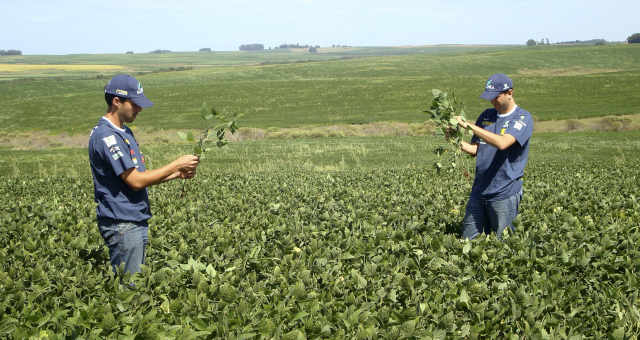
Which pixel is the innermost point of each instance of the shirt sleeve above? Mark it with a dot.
(116, 153)
(520, 127)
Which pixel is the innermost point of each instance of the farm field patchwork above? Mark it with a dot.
(551, 83)
(329, 238)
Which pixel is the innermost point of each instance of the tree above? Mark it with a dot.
(251, 47)
(129, 52)
(10, 52)
(205, 49)
(634, 38)
(313, 49)
(531, 42)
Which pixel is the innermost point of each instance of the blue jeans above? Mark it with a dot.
(126, 241)
(482, 216)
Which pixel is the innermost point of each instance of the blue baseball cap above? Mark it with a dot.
(496, 84)
(126, 86)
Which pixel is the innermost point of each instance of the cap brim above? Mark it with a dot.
(489, 95)
(142, 101)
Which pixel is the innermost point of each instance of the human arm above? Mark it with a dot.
(180, 174)
(183, 167)
(501, 142)
(470, 148)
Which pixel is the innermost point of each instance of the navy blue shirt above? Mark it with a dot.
(499, 172)
(113, 151)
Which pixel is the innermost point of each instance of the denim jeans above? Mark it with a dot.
(482, 216)
(126, 241)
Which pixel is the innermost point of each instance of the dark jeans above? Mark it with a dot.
(484, 216)
(126, 241)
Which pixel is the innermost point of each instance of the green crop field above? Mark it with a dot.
(329, 238)
(558, 82)
(323, 238)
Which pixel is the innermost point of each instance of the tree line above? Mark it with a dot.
(10, 52)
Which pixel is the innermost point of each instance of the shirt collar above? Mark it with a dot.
(499, 115)
(113, 125)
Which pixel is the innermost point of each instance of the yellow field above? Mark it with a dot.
(32, 67)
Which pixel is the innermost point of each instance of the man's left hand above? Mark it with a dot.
(461, 122)
(187, 174)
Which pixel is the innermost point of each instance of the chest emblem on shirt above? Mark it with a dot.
(503, 131)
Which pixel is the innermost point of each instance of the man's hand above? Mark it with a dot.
(461, 122)
(186, 163)
(188, 174)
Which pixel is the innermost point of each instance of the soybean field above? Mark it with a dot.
(341, 237)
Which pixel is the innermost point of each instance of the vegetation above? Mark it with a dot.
(343, 238)
(551, 83)
(10, 52)
(444, 108)
(317, 244)
(251, 47)
(634, 38)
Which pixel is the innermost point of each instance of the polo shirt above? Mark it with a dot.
(499, 172)
(112, 151)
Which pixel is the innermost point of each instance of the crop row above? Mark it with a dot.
(362, 253)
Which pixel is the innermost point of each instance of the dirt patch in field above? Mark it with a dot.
(569, 71)
(609, 123)
(38, 140)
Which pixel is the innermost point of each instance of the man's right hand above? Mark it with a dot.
(187, 163)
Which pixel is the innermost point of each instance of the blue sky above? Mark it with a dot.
(90, 26)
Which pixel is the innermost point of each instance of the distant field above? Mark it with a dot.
(278, 89)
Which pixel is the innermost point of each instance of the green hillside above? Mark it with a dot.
(552, 82)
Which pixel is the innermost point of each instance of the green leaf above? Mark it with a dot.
(467, 248)
(204, 112)
(182, 135)
(618, 334)
(190, 137)
(197, 150)
(299, 316)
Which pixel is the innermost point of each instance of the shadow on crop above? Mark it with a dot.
(95, 255)
(453, 229)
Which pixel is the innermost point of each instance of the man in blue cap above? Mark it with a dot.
(120, 176)
(501, 146)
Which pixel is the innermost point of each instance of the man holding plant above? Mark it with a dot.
(120, 176)
(501, 146)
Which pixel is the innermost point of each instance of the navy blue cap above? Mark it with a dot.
(126, 86)
(496, 84)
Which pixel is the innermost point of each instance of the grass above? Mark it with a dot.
(598, 81)
(325, 154)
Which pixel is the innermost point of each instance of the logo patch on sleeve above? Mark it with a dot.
(517, 126)
(110, 140)
(117, 155)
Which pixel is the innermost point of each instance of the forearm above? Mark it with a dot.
(137, 180)
(171, 177)
(469, 148)
(499, 141)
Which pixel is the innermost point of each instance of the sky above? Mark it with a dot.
(90, 26)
